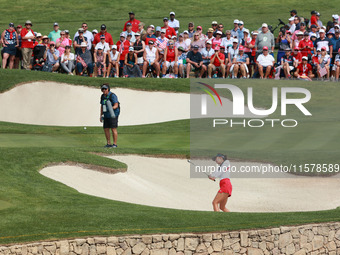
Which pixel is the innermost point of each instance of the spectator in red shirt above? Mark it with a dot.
(108, 37)
(306, 45)
(297, 54)
(123, 48)
(304, 69)
(134, 22)
(217, 62)
(169, 30)
(313, 19)
(27, 36)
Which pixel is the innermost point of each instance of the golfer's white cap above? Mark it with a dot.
(291, 19)
(264, 25)
(236, 21)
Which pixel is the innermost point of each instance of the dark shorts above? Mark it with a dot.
(10, 49)
(110, 122)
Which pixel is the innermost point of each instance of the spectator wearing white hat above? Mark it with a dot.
(240, 31)
(216, 42)
(27, 36)
(265, 38)
(234, 31)
(323, 41)
(207, 52)
(214, 25)
(114, 57)
(232, 53)
(220, 28)
(131, 69)
(335, 18)
(151, 58)
(187, 39)
(123, 48)
(139, 47)
(84, 61)
(174, 23)
(291, 25)
(181, 43)
(55, 34)
(162, 41)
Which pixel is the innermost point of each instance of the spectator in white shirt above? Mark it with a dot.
(265, 63)
(86, 34)
(174, 23)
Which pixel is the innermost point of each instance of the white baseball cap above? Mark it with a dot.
(255, 32)
(163, 30)
(123, 34)
(335, 16)
(246, 31)
(236, 21)
(240, 22)
(131, 48)
(321, 31)
(291, 19)
(114, 47)
(235, 40)
(219, 32)
(209, 41)
(264, 25)
(172, 13)
(95, 31)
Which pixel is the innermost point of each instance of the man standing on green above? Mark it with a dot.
(55, 34)
(109, 112)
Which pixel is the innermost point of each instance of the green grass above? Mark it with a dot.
(10, 78)
(45, 209)
(70, 14)
(33, 207)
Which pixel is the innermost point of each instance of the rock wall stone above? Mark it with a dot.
(310, 239)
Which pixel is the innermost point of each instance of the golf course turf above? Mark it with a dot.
(33, 207)
(44, 209)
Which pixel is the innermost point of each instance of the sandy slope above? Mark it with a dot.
(166, 183)
(51, 103)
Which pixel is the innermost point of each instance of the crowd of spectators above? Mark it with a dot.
(304, 48)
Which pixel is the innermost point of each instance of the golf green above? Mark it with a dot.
(4, 205)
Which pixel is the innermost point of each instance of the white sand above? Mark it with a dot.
(51, 103)
(59, 104)
(165, 183)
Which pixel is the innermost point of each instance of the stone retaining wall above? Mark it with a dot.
(306, 239)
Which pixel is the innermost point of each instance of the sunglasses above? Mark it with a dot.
(220, 27)
(83, 26)
(104, 89)
(199, 29)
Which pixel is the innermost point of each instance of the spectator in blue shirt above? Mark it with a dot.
(52, 58)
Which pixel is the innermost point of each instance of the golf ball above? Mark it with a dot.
(84, 127)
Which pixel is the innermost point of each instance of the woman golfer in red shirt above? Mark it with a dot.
(223, 173)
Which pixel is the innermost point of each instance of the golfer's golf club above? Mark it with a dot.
(189, 161)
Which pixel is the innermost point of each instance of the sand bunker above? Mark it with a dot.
(51, 103)
(59, 104)
(165, 183)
